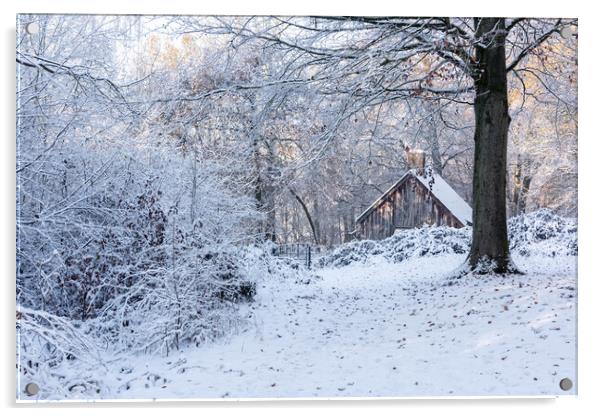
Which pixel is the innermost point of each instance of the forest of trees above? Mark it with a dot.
(155, 154)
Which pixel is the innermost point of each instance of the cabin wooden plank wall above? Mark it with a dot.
(409, 205)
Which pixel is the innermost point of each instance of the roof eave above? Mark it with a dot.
(380, 199)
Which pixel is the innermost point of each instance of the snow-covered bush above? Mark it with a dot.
(46, 344)
(543, 233)
(354, 251)
(539, 233)
(420, 242)
(261, 262)
(192, 300)
(144, 258)
(427, 242)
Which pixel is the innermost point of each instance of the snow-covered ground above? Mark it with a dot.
(381, 329)
(381, 318)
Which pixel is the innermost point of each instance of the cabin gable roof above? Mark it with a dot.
(437, 187)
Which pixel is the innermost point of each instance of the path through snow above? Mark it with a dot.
(384, 329)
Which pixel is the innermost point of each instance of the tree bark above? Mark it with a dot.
(194, 186)
(264, 191)
(490, 249)
(521, 185)
(434, 139)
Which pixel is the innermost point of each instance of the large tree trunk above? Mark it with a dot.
(490, 251)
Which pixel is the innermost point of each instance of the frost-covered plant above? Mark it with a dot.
(261, 262)
(420, 242)
(541, 233)
(46, 344)
(192, 300)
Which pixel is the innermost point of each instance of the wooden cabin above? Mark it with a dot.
(420, 197)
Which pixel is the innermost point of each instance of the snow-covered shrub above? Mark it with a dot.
(192, 294)
(196, 298)
(261, 262)
(354, 251)
(543, 233)
(539, 233)
(149, 271)
(427, 241)
(129, 243)
(420, 242)
(166, 310)
(46, 344)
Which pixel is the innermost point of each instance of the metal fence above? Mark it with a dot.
(298, 251)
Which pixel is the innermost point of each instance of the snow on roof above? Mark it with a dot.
(440, 189)
(448, 197)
